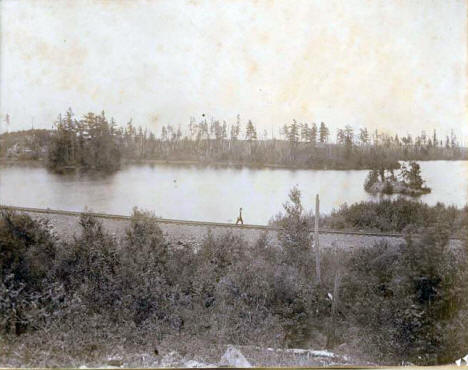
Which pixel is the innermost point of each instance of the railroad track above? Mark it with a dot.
(197, 223)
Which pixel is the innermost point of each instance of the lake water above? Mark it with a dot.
(210, 193)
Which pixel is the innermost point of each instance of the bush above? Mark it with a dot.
(388, 188)
(371, 179)
(27, 252)
(392, 303)
(408, 300)
(399, 215)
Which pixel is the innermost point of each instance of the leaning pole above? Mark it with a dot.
(316, 238)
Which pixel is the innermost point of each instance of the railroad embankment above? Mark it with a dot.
(66, 224)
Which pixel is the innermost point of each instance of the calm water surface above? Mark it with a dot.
(209, 193)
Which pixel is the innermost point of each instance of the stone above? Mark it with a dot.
(115, 362)
(195, 364)
(172, 359)
(234, 358)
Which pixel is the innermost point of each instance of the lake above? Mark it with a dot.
(210, 193)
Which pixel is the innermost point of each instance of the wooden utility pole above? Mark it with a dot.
(316, 238)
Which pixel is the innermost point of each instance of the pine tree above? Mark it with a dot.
(305, 132)
(412, 175)
(348, 137)
(250, 133)
(293, 133)
(324, 133)
(313, 134)
(235, 131)
(364, 136)
(340, 136)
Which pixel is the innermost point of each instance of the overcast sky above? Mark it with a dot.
(386, 64)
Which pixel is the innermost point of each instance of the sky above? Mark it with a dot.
(392, 65)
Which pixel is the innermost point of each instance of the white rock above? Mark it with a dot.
(193, 363)
(172, 359)
(317, 353)
(234, 358)
(322, 353)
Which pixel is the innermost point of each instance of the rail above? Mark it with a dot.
(197, 223)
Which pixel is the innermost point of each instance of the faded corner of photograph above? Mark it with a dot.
(258, 183)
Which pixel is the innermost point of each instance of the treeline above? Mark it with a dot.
(98, 291)
(94, 141)
(299, 145)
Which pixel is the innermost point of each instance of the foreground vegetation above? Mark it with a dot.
(140, 293)
(96, 142)
(398, 216)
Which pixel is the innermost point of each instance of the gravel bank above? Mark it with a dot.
(67, 225)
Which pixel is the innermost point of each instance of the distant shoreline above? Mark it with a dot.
(188, 163)
(235, 164)
(42, 163)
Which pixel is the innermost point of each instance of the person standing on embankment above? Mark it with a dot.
(239, 219)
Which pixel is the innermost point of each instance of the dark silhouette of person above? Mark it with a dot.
(239, 219)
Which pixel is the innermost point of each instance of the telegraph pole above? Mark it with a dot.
(316, 238)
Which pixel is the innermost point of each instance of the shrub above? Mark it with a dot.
(387, 188)
(371, 179)
(408, 300)
(398, 215)
(394, 303)
(27, 252)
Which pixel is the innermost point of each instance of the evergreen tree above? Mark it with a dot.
(89, 143)
(324, 132)
(163, 133)
(313, 134)
(364, 136)
(340, 136)
(453, 139)
(305, 132)
(293, 133)
(412, 175)
(235, 131)
(349, 135)
(224, 131)
(250, 133)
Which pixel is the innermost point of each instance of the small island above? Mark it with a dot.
(90, 143)
(407, 182)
